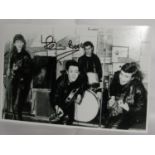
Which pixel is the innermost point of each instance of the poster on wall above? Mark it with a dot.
(119, 53)
(53, 75)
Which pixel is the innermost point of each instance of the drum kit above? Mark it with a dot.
(88, 109)
(90, 106)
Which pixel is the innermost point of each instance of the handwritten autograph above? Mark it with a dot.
(51, 44)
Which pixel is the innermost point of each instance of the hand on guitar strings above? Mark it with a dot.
(116, 107)
(15, 67)
(78, 99)
(123, 105)
(59, 111)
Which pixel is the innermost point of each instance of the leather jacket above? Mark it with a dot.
(90, 64)
(63, 88)
(23, 63)
(133, 93)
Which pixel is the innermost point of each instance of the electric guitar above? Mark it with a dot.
(71, 97)
(16, 66)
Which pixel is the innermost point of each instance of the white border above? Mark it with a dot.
(89, 128)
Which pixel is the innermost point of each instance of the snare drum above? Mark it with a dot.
(88, 109)
(92, 78)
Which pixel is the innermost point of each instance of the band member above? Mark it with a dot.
(62, 99)
(127, 105)
(20, 74)
(90, 62)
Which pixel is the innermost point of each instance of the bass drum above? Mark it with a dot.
(88, 109)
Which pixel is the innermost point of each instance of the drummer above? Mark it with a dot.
(90, 64)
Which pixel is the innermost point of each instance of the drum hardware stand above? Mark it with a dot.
(101, 104)
(100, 112)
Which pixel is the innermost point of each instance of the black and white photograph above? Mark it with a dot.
(72, 73)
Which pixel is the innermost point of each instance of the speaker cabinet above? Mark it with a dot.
(41, 105)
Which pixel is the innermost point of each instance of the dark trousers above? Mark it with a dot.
(120, 122)
(20, 92)
(69, 111)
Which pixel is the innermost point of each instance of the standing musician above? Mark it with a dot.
(69, 90)
(127, 105)
(90, 64)
(20, 74)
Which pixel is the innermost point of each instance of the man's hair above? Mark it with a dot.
(88, 43)
(21, 38)
(71, 63)
(132, 68)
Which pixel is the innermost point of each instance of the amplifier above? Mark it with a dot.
(41, 105)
